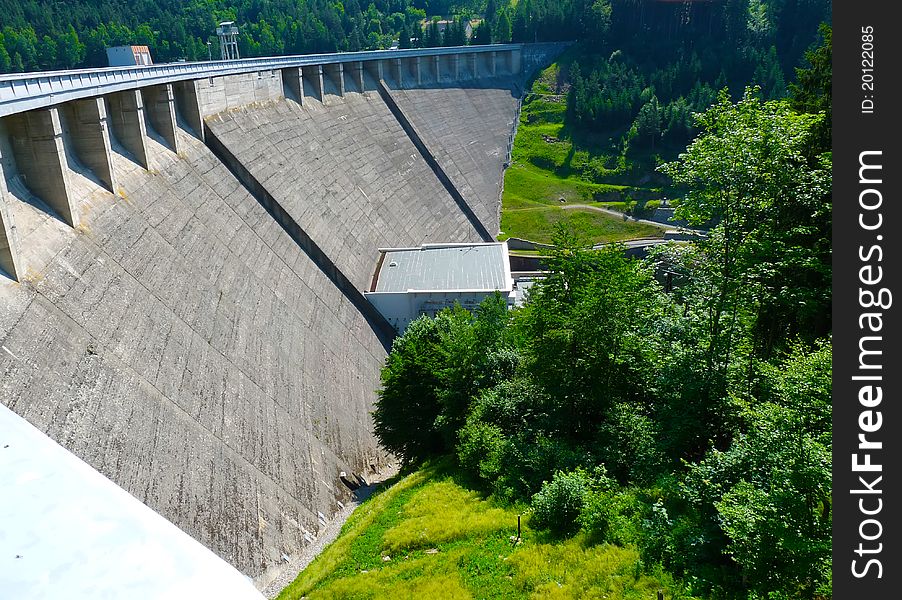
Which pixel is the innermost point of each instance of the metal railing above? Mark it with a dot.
(26, 91)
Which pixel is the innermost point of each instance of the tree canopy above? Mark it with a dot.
(695, 423)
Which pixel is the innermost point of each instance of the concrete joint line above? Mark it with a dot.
(433, 163)
(383, 330)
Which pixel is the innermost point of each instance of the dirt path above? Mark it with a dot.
(615, 213)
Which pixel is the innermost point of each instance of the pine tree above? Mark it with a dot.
(404, 37)
(503, 28)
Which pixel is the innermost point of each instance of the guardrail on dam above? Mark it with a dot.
(182, 248)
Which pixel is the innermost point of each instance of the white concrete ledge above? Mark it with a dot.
(69, 532)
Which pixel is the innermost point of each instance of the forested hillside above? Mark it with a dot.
(45, 34)
(692, 424)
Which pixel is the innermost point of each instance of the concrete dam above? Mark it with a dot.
(183, 250)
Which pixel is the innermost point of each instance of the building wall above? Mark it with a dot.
(402, 308)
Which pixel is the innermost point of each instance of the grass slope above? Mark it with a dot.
(552, 167)
(426, 536)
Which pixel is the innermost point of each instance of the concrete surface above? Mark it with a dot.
(467, 130)
(36, 138)
(68, 531)
(180, 343)
(169, 332)
(348, 175)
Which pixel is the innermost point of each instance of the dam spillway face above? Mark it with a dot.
(182, 267)
(350, 163)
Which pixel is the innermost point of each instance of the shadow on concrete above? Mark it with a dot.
(380, 326)
(19, 189)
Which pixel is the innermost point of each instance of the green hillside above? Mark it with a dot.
(428, 536)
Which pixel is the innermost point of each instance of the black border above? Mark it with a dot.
(853, 133)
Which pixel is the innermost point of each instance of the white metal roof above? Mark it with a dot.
(446, 267)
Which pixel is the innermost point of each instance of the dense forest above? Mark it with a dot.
(691, 421)
(45, 34)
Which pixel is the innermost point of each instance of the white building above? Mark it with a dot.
(128, 56)
(410, 282)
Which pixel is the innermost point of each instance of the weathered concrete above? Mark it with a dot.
(416, 70)
(314, 86)
(85, 125)
(349, 164)
(183, 345)
(433, 164)
(376, 71)
(188, 105)
(9, 242)
(359, 74)
(334, 80)
(467, 130)
(126, 112)
(209, 356)
(394, 72)
(301, 238)
(40, 159)
(217, 94)
(436, 69)
(159, 103)
(294, 86)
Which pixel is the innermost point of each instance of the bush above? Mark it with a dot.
(531, 459)
(558, 504)
(480, 449)
(627, 444)
(613, 516)
(515, 405)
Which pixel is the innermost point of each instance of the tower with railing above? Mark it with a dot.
(228, 40)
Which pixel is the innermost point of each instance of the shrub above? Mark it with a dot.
(514, 405)
(558, 504)
(530, 459)
(480, 449)
(627, 444)
(613, 516)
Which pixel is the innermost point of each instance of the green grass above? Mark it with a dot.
(535, 221)
(550, 163)
(445, 541)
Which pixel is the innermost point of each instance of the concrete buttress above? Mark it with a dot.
(90, 135)
(127, 117)
(37, 142)
(159, 101)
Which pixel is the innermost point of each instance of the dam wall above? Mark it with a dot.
(183, 345)
(183, 251)
(468, 128)
(347, 162)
